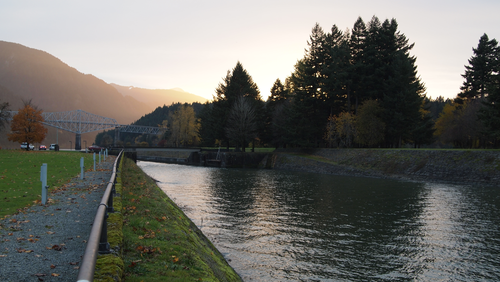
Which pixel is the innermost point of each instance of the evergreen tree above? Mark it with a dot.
(393, 80)
(482, 69)
(482, 82)
(358, 68)
(275, 115)
(423, 132)
(237, 83)
(336, 81)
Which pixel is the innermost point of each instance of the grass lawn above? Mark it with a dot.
(20, 184)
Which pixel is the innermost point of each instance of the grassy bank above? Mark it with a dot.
(20, 184)
(160, 242)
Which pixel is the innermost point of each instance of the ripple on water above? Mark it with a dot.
(283, 226)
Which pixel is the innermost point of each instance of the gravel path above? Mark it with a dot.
(47, 242)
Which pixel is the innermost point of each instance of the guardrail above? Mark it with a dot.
(98, 239)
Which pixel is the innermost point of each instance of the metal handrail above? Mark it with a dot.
(98, 238)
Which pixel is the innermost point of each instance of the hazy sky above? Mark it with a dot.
(192, 44)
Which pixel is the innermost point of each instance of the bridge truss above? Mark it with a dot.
(79, 122)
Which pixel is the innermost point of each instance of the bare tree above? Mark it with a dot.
(241, 123)
(4, 114)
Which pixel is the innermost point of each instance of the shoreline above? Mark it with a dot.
(450, 166)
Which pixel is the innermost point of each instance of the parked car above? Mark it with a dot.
(53, 146)
(42, 147)
(24, 145)
(95, 148)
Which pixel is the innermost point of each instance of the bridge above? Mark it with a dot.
(79, 122)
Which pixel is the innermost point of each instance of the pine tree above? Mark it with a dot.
(483, 67)
(237, 83)
(277, 106)
(358, 68)
(393, 79)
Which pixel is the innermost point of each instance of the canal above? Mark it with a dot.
(289, 226)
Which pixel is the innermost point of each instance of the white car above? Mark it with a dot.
(24, 145)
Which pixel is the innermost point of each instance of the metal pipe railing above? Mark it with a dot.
(98, 239)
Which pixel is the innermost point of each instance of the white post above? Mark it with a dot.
(82, 166)
(99, 157)
(43, 178)
(94, 161)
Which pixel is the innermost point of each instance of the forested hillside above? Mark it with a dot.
(177, 117)
(158, 97)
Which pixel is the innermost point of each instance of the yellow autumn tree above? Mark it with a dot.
(458, 124)
(340, 130)
(184, 127)
(26, 125)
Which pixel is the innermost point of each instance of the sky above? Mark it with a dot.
(192, 44)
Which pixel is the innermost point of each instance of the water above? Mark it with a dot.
(288, 226)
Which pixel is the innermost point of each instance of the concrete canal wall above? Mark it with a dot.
(458, 166)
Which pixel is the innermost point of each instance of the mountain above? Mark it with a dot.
(158, 97)
(53, 86)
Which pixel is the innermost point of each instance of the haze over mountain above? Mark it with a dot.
(158, 97)
(53, 86)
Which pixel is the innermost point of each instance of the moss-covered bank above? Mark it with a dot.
(160, 243)
(458, 166)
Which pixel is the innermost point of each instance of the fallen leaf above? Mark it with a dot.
(55, 274)
(52, 266)
(40, 274)
(50, 232)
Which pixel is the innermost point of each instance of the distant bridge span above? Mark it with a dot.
(79, 122)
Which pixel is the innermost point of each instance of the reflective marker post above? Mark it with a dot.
(82, 166)
(43, 178)
(94, 161)
(99, 157)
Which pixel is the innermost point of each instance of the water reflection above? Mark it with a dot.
(283, 226)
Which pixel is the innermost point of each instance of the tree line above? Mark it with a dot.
(472, 120)
(354, 88)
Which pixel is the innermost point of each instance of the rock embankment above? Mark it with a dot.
(457, 166)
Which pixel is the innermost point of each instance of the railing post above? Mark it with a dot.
(104, 247)
(110, 204)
